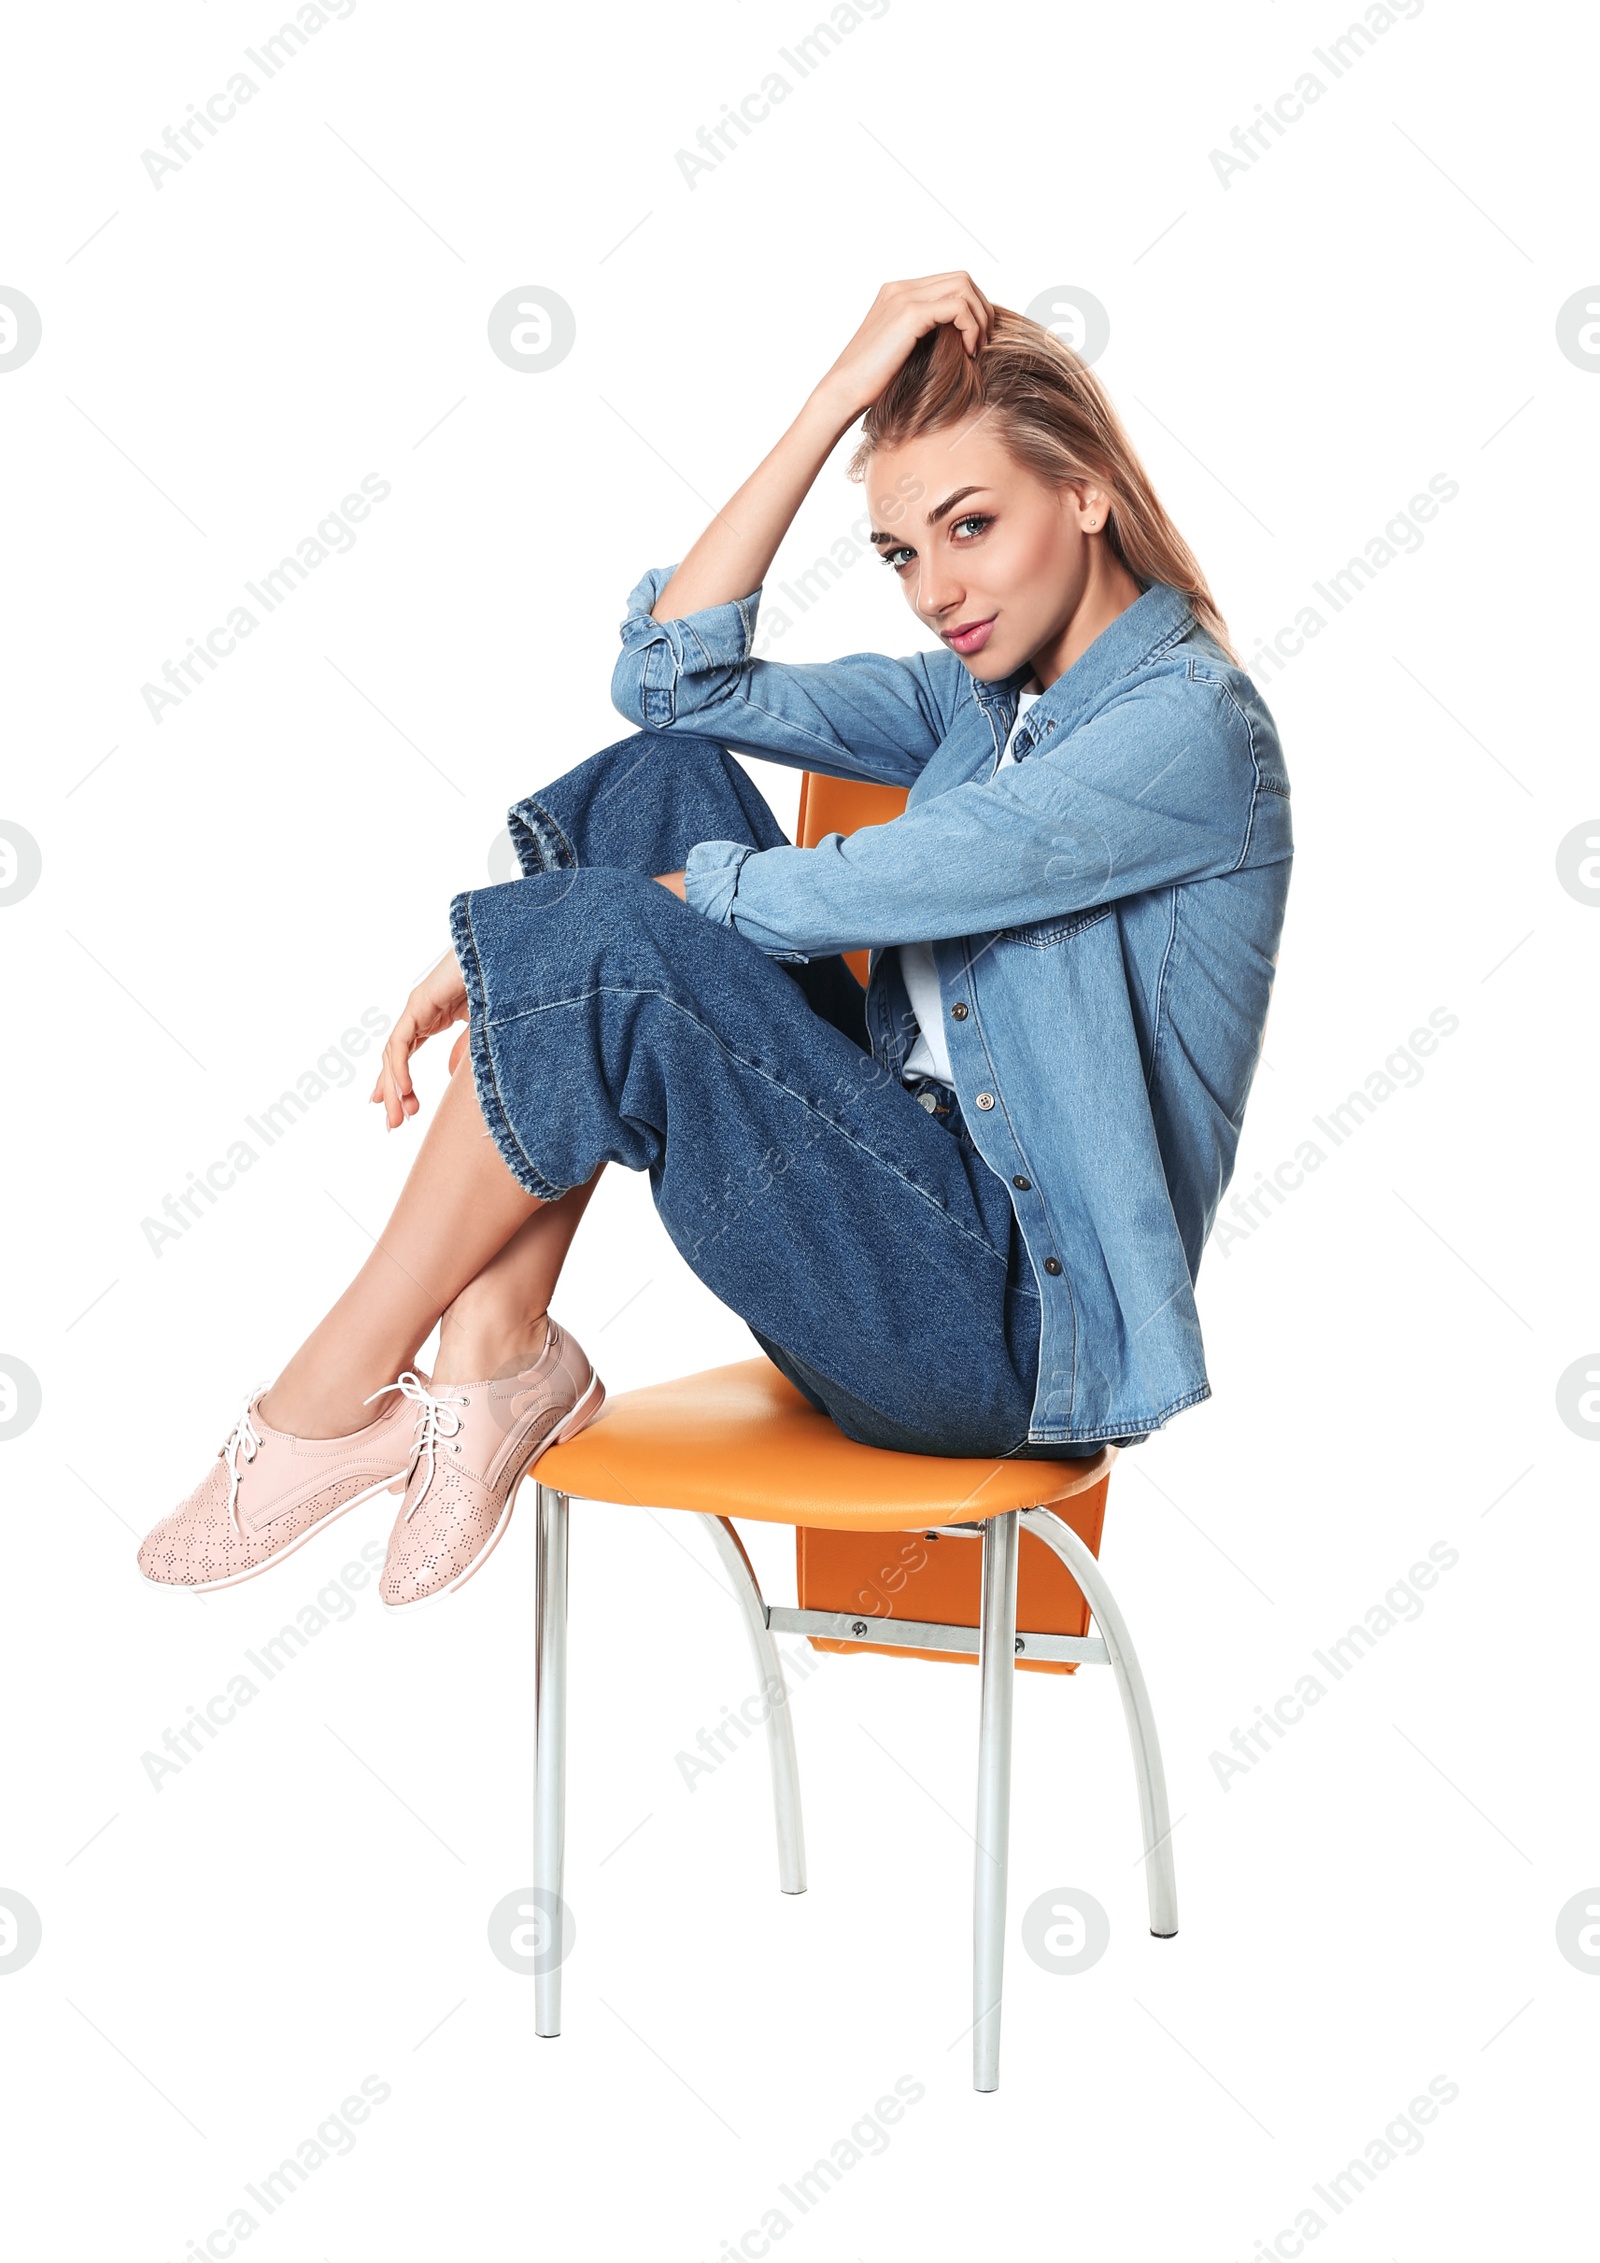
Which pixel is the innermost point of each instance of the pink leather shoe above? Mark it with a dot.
(267, 1493)
(475, 1442)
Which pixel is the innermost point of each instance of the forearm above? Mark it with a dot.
(1131, 802)
(731, 558)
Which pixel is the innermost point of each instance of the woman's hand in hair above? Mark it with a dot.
(439, 999)
(732, 556)
(900, 315)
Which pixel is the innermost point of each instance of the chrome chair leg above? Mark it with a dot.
(550, 1739)
(780, 1724)
(997, 1644)
(1160, 1878)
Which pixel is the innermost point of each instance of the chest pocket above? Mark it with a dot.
(1045, 934)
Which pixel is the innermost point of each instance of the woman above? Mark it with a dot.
(963, 1212)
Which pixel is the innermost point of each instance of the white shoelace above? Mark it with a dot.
(436, 1420)
(244, 1438)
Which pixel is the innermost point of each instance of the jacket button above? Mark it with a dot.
(927, 1102)
(1019, 1181)
(958, 1013)
(1052, 1264)
(985, 1099)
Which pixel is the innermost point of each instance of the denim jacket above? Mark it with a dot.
(1104, 915)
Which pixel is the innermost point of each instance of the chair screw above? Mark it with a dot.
(858, 1626)
(1021, 1645)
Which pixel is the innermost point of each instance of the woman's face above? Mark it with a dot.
(993, 559)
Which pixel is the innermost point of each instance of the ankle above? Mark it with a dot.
(303, 1411)
(323, 1394)
(478, 1350)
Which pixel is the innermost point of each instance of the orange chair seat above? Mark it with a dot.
(741, 1441)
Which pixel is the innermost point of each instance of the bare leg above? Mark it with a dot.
(461, 1220)
(496, 1326)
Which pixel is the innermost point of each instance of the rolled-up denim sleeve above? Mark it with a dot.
(667, 668)
(711, 887)
(862, 716)
(711, 877)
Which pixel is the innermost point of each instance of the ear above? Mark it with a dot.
(1092, 506)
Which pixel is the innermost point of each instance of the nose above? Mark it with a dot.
(941, 590)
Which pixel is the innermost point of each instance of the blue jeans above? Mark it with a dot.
(871, 1251)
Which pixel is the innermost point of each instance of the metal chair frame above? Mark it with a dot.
(997, 1644)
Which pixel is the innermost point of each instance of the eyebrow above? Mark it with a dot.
(959, 496)
(938, 512)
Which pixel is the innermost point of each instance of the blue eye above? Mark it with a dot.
(898, 558)
(978, 519)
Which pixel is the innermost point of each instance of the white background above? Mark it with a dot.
(1373, 1903)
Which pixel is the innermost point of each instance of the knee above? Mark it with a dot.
(615, 903)
(688, 752)
(629, 925)
(689, 746)
(596, 920)
(623, 804)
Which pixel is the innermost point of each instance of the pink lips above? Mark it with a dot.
(972, 636)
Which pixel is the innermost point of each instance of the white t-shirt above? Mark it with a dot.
(929, 1055)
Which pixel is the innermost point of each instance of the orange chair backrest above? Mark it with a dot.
(839, 805)
(907, 1575)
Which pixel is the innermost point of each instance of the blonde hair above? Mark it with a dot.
(1051, 414)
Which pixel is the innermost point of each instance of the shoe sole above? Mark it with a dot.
(579, 1419)
(278, 1556)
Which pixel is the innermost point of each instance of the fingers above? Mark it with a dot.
(964, 312)
(438, 1001)
(394, 1087)
(954, 298)
(973, 313)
